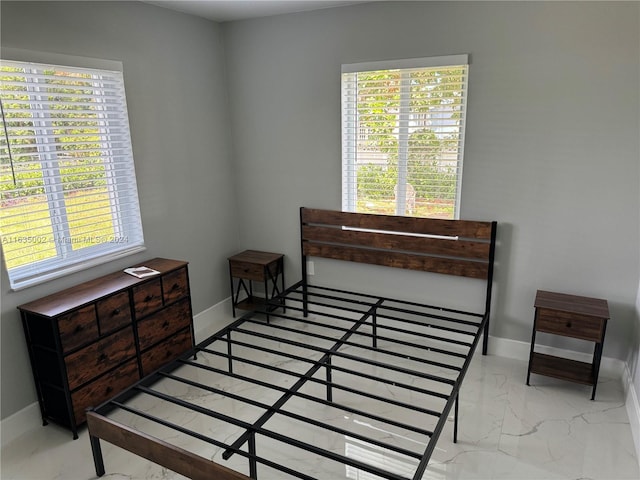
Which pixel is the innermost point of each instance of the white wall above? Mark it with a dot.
(174, 78)
(551, 150)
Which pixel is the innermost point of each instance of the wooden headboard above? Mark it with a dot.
(453, 247)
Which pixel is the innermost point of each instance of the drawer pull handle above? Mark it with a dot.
(148, 298)
(175, 286)
(165, 324)
(108, 390)
(168, 354)
(116, 312)
(78, 328)
(103, 357)
(568, 324)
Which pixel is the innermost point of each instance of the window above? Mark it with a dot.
(68, 195)
(403, 136)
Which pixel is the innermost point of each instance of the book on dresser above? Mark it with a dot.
(89, 342)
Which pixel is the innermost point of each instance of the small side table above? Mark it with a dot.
(250, 266)
(570, 316)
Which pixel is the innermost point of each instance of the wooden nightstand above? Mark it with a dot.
(570, 316)
(250, 266)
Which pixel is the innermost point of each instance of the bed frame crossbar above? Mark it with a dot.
(383, 351)
(301, 382)
(337, 368)
(312, 398)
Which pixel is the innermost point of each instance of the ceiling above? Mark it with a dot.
(229, 10)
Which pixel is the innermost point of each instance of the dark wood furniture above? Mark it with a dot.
(255, 266)
(91, 341)
(572, 316)
(334, 353)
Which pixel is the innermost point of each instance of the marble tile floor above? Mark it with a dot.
(549, 430)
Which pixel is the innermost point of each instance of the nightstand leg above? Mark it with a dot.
(284, 302)
(533, 342)
(233, 300)
(597, 356)
(266, 275)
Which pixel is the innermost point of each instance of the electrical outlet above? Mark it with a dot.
(310, 268)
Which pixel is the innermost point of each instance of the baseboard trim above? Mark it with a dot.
(213, 319)
(19, 423)
(632, 406)
(205, 324)
(516, 349)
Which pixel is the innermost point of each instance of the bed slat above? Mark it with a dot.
(169, 456)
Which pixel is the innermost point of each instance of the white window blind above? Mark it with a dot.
(403, 136)
(68, 194)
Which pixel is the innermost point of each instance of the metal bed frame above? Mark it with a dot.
(348, 354)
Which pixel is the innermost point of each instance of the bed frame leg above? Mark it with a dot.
(374, 329)
(253, 465)
(305, 300)
(229, 351)
(487, 309)
(97, 455)
(455, 420)
(329, 391)
(485, 339)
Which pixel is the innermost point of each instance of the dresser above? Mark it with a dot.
(89, 342)
(573, 316)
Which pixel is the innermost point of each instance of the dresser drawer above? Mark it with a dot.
(78, 327)
(99, 357)
(570, 324)
(155, 328)
(166, 351)
(247, 271)
(114, 312)
(147, 298)
(175, 286)
(104, 388)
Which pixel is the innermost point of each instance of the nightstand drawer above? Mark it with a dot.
(570, 324)
(248, 271)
